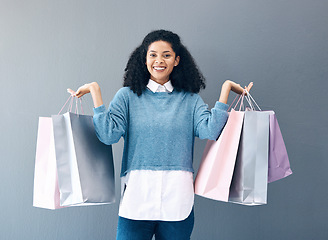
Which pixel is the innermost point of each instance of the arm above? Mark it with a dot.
(110, 125)
(232, 86)
(209, 124)
(92, 88)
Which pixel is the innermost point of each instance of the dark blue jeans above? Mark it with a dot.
(128, 229)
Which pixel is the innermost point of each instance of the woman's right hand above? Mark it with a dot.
(92, 88)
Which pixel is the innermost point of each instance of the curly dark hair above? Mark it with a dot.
(184, 77)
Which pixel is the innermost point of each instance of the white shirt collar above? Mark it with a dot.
(156, 87)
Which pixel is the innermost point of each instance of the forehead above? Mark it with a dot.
(160, 46)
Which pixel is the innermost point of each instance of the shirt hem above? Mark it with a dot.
(158, 168)
(158, 219)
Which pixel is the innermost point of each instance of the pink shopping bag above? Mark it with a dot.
(46, 191)
(215, 173)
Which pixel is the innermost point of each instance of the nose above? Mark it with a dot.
(159, 59)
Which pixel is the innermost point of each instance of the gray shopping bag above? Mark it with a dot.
(250, 177)
(84, 164)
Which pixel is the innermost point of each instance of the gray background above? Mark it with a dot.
(281, 45)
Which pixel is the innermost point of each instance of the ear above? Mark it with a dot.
(177, 60)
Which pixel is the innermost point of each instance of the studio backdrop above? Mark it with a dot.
(47, 46)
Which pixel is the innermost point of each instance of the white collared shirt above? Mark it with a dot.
(157, 195)
(156, 87)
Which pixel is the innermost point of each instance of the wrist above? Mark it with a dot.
(96, 94)
(94, 88)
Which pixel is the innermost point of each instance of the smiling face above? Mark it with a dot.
(160, 61)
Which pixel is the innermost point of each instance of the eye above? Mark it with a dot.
(167, 55)
(152, 55)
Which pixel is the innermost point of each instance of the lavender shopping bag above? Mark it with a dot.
(46, 191)
(215, 173)
(279, 166)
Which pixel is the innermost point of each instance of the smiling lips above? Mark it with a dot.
(159, 69)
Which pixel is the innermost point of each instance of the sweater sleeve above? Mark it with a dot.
(209, 124)
(111, 124)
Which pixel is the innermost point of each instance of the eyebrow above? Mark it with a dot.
(156, 52)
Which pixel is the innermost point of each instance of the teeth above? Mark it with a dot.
(159, 68)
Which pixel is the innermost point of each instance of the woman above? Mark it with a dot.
(158, 113)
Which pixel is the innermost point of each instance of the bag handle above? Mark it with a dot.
(241, 97)
(250, 99)
(70, 106)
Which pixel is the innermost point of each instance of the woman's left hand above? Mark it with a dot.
(237, 88)
(228, 86)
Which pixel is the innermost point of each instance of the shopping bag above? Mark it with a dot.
(279, 166)
(215, 172)
(46, 191)
(84, 164)
(250, 177)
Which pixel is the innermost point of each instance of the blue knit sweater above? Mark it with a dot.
(158, 128)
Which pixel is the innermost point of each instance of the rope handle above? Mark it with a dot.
(70, 106)
(250, 99)
(241, 97)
